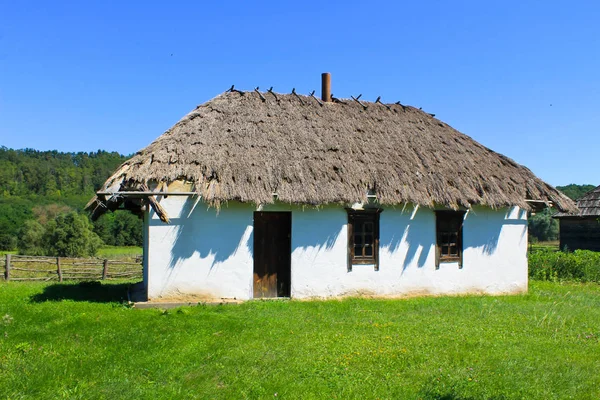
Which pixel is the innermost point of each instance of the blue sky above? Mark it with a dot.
(521, 77)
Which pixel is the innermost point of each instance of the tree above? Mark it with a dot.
(48, 212)
(119, 228)
(31, 239)
(575, 191)
(71, 235)
(14, 211)
(7, 242)
(42, 184)
(542, 226)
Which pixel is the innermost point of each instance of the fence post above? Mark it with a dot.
(7, 268)
(58, 270)
(105, 269)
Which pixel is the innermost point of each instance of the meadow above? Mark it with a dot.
(111, 252)
(118, 252)
(83, 341)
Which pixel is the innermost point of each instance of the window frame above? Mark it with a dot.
(371, 215)
(449, 215)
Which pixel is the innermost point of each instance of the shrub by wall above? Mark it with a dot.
(580, 265)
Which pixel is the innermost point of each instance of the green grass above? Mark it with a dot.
(119, 252)
(112, 252)
(80, 341)
(551, 245)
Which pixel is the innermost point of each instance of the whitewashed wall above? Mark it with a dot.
(208, 253)
(202, 252)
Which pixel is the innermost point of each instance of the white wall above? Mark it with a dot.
(494, 258)
(202, 252)
(209, 254)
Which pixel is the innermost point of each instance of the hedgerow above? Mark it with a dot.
(580, 265)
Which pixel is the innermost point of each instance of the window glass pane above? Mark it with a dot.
(369, 239)
(358, 240)
(368, 227)
(453, 237)
(445, 237)
(454, 223)
(359, 226)
(368, 251)
(358, 251)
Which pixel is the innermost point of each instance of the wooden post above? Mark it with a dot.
(7, 268)
(105, 269)
(58, 270)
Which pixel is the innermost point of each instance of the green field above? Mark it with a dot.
(115, 252)
(82, 342)
(112, 252)
(551, 245)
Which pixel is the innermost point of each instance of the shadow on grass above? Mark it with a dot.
(94, 292)
(447, 396)
(453, 396)
(441, 388)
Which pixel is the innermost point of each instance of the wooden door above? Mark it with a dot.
(272, 254)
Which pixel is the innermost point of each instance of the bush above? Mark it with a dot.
(119, 228)
(8, 242)
(67, 235)
(30, 241)
(71, 235)
(580, 265)
(542, 227)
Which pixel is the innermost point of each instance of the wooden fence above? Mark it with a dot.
(30, 268)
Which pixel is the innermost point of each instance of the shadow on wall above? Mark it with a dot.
(317, 229)
(409, 230)
(210, 233)
(482, 228)
(419, 235)
(419, 239)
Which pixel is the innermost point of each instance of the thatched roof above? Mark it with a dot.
(255, 147)
(588, 205)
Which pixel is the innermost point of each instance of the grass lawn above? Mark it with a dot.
(553, 245)
(119, 252)
(112, 252)
(80, 341)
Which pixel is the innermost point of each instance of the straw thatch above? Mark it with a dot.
(259, 148)
(587, 206)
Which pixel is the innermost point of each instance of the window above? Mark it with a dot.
(448, 226)
(363, 237)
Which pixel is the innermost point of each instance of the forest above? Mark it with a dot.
(42, 195)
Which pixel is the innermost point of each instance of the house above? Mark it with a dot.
(260, 194)
(581, 229)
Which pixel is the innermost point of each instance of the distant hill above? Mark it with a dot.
(55, 174)
(575, 191)
(33, 182)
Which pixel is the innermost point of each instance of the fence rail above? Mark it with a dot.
(31, 268)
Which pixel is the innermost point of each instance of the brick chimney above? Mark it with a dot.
(326, 87)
